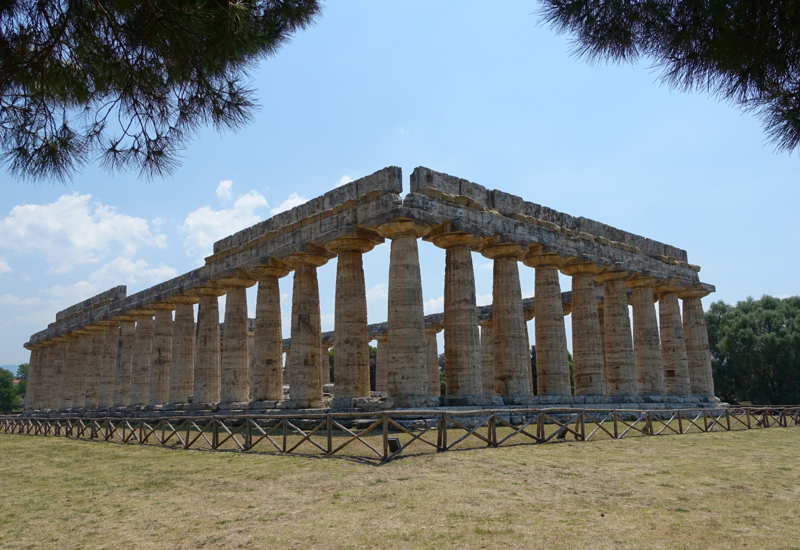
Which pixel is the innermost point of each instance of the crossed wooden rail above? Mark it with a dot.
(393, 432)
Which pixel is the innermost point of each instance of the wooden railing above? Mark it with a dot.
(383, 436)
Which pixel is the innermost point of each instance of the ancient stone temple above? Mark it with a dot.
(149, 351)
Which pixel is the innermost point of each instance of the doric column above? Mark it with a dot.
(407, 374)
(381, 368)
(142, 355)
(305, 360)
(181, 375)
(351, 338)
(33, 367)
(207, 353)
(83, 348)
(266, 373)
(487, 356)
(432, 354)
(122, 377)
(234, 361)
(588, 366)
(161, 357)
(325, 371)
(60, 379)
(108, 363)
(529, 314)
(552, 359)
(696, 334)
(48, 372)
(462, 344)
(94, 366)
(673, 343)
(620, 370)
(646, 342)
(512, 363)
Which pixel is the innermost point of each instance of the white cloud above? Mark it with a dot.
(74, 230)
(224, 191)
(434, 305)
(378, 291)
(205, 225)
(116, 272)
(487, 265)
(293, 200)
(344, 180)
(483, 299)
(4, 267)
(11, 300)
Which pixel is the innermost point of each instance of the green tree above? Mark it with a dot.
(755, 350)
(9, 400)
(742, 51)
(129, 82)
(22, 376)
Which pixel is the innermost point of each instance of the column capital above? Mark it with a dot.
(161, 306)
(81, 331)
(179, 299)
(94, 328)
(205, 290)
(262, 272)
(350, 244)
(699, 290)
(403, 228)
(529, 313)
(105, 323)
(494, 251)
(671, 286)
(455, 240)
(381, 337)
(235, 278)
(582, 265)
(641, 280)
(612, 274)
(434, 328)
(485, 322)
(567, 308)
(141, 312)
(315, 258)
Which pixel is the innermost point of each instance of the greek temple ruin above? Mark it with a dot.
(148, 352)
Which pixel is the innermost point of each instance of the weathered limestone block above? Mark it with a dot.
(552, 359)
(60, 372)
(511, 352)
(646, 341)
(432, 350)
(673, 343)
(142, 355)
(48, 374)
(235, 362)
(696, 336)
(82, 350)
(266, 374)
(487, 356)
(463, 373)
(588, 365)
(161, 359)
(94, 365)
(620, 370)
(206, 386)
(381, 366)
(122, 378)
(351, 360)
(108, 363)
(181, 377)
(407, 373)
(33, 366)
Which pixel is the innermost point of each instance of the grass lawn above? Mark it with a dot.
(715, 490)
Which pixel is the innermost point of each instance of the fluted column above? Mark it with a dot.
(206, 385)
(646, 341)
(108, 363)
(122, 377)
(462, 344)
(33, 367)
(325, 371)
(60, 380)
(620, 370)
(588, 365)
(696, 335)
(83, 348)
(381, 368)
(266, 372)
(351, 338)
(673, 343)
(407, 374)
(48, 372)
(487, 356)
(234, 361)
(305, 360)
(529, 314)
(512, 363)
(552, 359)
(94, 366)
(161, 356)
(181, 373)
(142, 355)
(432, 353)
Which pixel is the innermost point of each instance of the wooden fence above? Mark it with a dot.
(380, 437)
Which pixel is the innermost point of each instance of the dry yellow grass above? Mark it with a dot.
(716, 490)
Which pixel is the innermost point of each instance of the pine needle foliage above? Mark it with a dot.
(129, 82)
(746, 52)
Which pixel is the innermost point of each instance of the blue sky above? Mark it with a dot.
(484, 93)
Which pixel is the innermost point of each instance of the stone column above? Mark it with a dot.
(588, 366)
(487, 356)
(60, 378)
(381, 368)
(108, 363)
(462, 344)
(646, 342)
(351, 338)
(235, 362)
(30, 388)
(266, 374)
(432, 353)
(142, 355)
(325, 371)
(83, 348)
(512, 363)
(48, 372)
(552, 359)
(305, 360)
(161, 357)
(206, 386)
(673, 343)
(620, 370)
(529, 314)
(181, 375)
(407, 375)
(94, 366)
(122, 377)
(696, 335)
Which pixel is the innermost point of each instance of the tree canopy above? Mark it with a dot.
(22, 376)
(128, 82)
(9, 400)
(755, 350)
(742, 51)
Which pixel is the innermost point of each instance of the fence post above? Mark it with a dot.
(583, 427)
(616, 427)
(747, 411)
(385, 420)
(492, 431)
(248, 434)
(442, 439)
(680, 422)
(215, 435)
(285, 435)
(329, 426)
